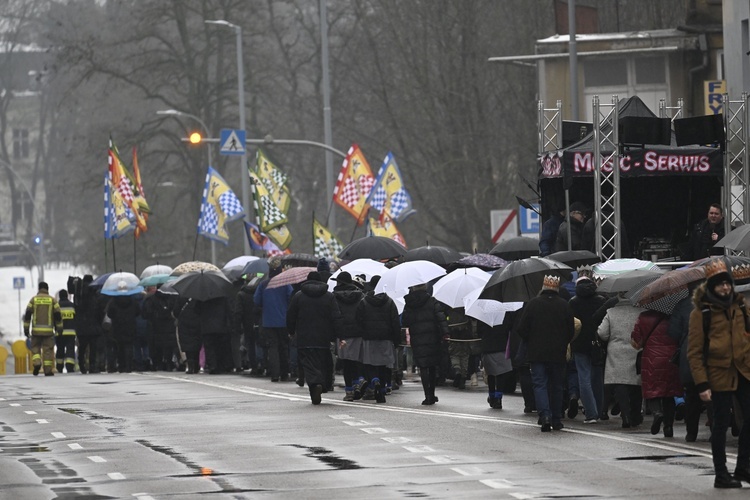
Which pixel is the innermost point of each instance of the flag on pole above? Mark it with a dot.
(388, 195)
(123, 183)
(325, 243)
(116, 219)
(274, 180)
(268, 213)
(354, 184)
(219, 206)
(385, 228)
(281, 236)
(261, 242)
(140, 196)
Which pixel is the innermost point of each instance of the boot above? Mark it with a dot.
(36, 370)
(498, 400)
(492, 401)
(725, 481)
(461, 382)
(70, 367)
(742, 473)
(349, 395)
(656, 425)
(59, 367)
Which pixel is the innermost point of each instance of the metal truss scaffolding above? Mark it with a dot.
(550, 127)
(607, 178)
(736, 194)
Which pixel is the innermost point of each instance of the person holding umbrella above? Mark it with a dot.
(547, 326)
(427, 328)
(349, 295)
(314, 318)
(272, 304)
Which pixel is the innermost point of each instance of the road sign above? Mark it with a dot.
(232, 142)
(19, 283)
(503, 224)
(528, 220)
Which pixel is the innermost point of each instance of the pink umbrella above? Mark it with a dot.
(291, 276)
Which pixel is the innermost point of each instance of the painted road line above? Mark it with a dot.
(527, 496)
(498, 484)
(75, 446)
(420, 448)
(30, 412)
(469, 471)
(58, 435)
(441, 459)
(15, 404)
(375, 430)
(340, 417)
(397, 440)
(356, 423)
(116, 476)
(143, 496)
(42, 421)
(96, 459)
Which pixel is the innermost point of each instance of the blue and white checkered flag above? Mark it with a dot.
(219, 206)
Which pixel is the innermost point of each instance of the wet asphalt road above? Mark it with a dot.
(175, 436)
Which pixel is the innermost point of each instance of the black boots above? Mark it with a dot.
(725, 481)
(742, 473)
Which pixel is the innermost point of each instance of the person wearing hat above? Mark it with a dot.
(719, 358)
(43, 317)
(576, 219)
(272, 307)
(547, 327)
(314, 318)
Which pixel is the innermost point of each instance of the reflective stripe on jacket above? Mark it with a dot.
(43, 314)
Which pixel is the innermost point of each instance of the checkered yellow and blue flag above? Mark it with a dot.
(388, 194)
(268, 213)
(219, 206)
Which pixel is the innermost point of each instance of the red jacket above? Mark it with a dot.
(659, 377)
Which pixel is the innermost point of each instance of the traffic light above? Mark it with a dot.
(196, 138)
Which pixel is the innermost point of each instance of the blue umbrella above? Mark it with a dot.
(99, 282)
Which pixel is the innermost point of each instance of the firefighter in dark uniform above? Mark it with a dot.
(66, 341)
(42, 318)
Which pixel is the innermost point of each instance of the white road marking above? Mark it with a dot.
(526, 496)
(42, 421)
(30, 412)
(58, 435)
(96, 459)
(143, 496)
(441, 459)
(356, 423)
(375, 430)
(340, 417)
(116, 476)
(75, 446)
(397, 440)
(469, 471)
(498, 484)
(15, 404)
(420, 448)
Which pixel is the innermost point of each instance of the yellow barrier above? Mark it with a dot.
(3, 359)
(22, 356)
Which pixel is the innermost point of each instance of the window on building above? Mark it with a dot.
(20, 143)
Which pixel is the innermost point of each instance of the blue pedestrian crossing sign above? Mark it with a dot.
(19, 283)
(232, 142)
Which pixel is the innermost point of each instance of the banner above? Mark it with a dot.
(281, 236)
(269, 214)
(354, 184)
(261, 242)
(274, 180)
(386, 228)
(117, 216)
(325, 243)
(388, 195)
(219, 206)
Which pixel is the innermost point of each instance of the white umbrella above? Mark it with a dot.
(618, 266)
(121, 284)
(397, 280)
(155, 269)
(368, 267)
(453, 287)
(240, 261)
(488, 311)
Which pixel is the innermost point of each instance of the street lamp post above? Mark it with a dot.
(40, 261)
(241, 103)
(176, 113)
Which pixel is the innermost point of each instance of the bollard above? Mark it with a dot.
(3, 359)
(22, 356)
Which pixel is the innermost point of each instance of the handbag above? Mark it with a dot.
(598, 352)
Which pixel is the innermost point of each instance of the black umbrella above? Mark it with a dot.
(299, 260)
(516, 248)
(738, 239)
(373, 247)
(628, 280)
(483, 261)
(255, 267)
(521, 280)
(438, 255)
(575, 258)
(202, 285)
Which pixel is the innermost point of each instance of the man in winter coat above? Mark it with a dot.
(66, 340)
(273, 304)
(245, 322)
(424, 318)
(547, 327)
(548, 238)
(157, 310)
(123, 311)
(576, 219)
(590, 379)
(89, 325)
(42, 319)
(314, 317)
(459, 346)
(706, 233)
(213, 316)
(719, 358)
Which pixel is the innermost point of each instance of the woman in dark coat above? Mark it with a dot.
(214, 317)
(377, 316)
(123, 311)
(157, 309)
(497, 366)
(660, 379)
(427, 328)
(189, 333)
(348, 296)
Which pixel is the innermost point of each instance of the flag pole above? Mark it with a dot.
(114, 256)
(106, 254)
(135, 255)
